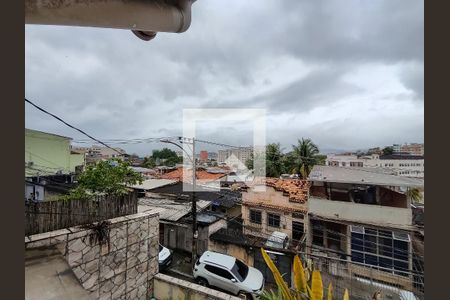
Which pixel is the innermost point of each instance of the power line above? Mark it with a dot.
(71, 126)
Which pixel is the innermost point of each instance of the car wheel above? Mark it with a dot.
(202, 281)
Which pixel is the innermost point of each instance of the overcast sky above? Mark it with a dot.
(347, 74)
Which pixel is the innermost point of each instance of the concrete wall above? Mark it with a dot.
(364, 213)
(179, 236)
(170, 288)
(233, 250)
(121, 268)
(77, 160)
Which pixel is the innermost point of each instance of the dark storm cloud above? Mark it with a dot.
(114, 85)
(412, 77)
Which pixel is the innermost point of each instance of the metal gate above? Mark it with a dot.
(283, 261)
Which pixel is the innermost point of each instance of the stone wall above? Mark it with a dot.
(168, 288)
(122, 267)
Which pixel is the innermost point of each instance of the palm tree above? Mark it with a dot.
(305, 157)
(414, 194)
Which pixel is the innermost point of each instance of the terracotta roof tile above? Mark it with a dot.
(202, 175)
(296, 189)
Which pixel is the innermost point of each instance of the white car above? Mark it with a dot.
(164, 257)
(229, 274)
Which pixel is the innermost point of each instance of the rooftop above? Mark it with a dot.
(150, 184)
(143, 170)
(208, 217)
(31, 131)
(361, 176)
(169, 210)
(223, 197)
(296, 188)
(401, 156)
(202, 175)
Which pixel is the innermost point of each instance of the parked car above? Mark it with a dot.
(165, 257)
(228, 274)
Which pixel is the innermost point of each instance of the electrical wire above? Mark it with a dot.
(71, 126)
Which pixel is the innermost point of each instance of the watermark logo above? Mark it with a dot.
(232, 160)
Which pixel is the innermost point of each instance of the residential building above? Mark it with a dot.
(100, 152)
(361, 220)
(203, 155)
(376, 150)
(48, 187)
(282, 207)
(175, 221)
(396, 148)
(212, 155)
(401, 164)
(413, 149)
(204, 178)
(343, 160)
(242, 154)
(50, 154)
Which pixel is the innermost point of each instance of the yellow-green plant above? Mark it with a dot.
(302, 290)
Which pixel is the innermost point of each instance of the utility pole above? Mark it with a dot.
(194, 206)
(191, 141)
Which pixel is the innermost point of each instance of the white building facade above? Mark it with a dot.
(401, 165)
(242, 154)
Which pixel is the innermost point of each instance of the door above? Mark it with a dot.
(222, 279)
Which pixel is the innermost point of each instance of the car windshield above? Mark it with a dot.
(160, 247)
(240, 270)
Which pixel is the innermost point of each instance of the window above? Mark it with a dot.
(381, 248)
(273, 220)
(297, 230)
(255, 216)
(317, 229)
(219, 272)
(240, 270)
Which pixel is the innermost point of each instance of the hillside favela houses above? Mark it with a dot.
(359, 224)
(50, 164)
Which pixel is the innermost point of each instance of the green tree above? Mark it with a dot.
(305, 155)
(321, 159)
(288, 161)
(274, 163)
(273, 158)
(249, 162)
(388, 150)
(166, 157)
(149, 162)
(109, 177)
